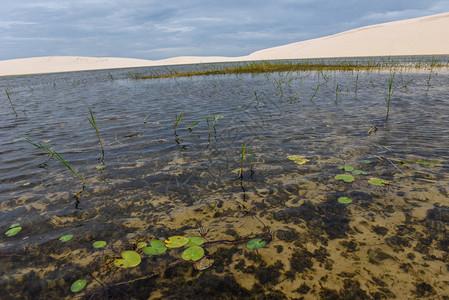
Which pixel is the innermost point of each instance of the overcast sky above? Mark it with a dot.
(152, 29)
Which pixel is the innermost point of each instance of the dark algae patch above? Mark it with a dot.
(250, 182)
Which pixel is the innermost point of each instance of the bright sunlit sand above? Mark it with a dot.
(420, 36)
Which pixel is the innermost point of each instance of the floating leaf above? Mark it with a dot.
(13, 231)
(256, 243)
(378, 181)
(300, 160)
(14, 225)
(366, 161)
(176, 241)
(195, 241)
(99, 244)
(130, 259)
(359, 172)
(26, 183)
(99, 167)
(157, 247)
(78, 285)
(141, 245)
(345, 177)
(193, 253)
(344, 200)
(346, 168)
(66, 238)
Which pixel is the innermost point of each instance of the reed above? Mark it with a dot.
(316, 91)
(95, 126)
(428, 81)
(10, 102)
(243, 155)
(53, 153)
(193, 124)
(208, 125)
(178, 119)
(391, 90)
(356, 82)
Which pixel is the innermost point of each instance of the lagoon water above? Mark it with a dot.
(391, 241)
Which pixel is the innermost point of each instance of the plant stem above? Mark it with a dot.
(10, 102)
(390, 93)
(95, 126)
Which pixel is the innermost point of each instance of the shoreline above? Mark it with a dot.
(423, 36)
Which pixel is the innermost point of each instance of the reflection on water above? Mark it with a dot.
(390, 241)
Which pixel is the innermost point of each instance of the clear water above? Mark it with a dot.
(389, 242)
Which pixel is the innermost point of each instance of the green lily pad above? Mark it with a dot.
(130, 259)
(99, 244)
(345, 177)
(176, 241)
(346, 168)
(300, 160)
(256, 243)
(193, 253)
(14, 225)
(78, 285)
(157, 247)
(344, 200)
(359, 172)
(195, 241)
(141, 245)
(66, 238)
(378, 181)
(13, 231)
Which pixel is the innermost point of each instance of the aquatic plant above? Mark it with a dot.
(78, 285)
(298, 159)
(391, 90)
(95, 126)
(407, 83)
(66, 238)
(99, 244)
(10, 102)
(378, 181)
(316, 91)
(344, 200)
(345, 177)
(157, 247)
(359, 172)
(14, 229)
(193, 253)
(255, 243)
(130, 259)
(193, 124)
(346, 168)
(53, 153)
(178, 119)
(243, 154)
(356, 83)
(428, 81)
(176, 241)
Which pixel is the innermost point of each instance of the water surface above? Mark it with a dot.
(157, 182)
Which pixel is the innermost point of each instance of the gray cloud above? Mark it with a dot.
(153, 29)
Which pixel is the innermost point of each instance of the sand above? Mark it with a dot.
(419, 36)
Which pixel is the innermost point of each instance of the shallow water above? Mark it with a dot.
(391, 241)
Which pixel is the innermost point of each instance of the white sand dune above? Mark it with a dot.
(420, 36)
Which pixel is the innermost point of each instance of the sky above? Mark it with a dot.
(151, 29)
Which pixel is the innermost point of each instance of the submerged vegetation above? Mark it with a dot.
(301, 65)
